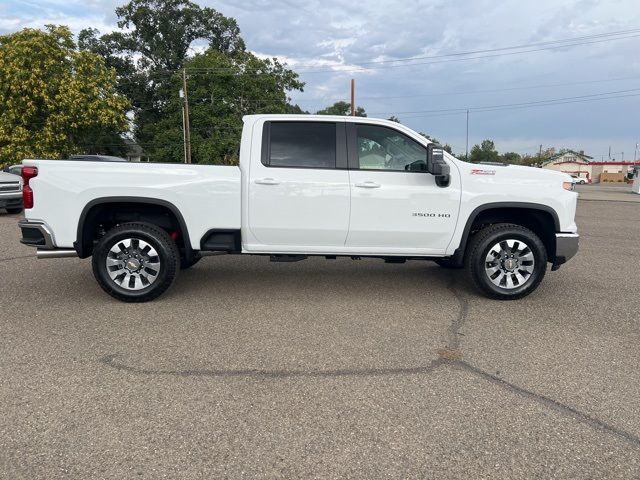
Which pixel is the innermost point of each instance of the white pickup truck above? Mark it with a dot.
(306, 185)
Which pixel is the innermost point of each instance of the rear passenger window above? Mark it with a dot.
(302, 144)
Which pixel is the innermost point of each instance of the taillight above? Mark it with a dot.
(27, 194)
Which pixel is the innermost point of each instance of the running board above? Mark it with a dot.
(287, 258)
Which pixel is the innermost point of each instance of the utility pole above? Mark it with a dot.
(466, 155)
(540, 156)
(187, 130)
(184, 128)
(609, 152)
(635, 153)
(353, 97)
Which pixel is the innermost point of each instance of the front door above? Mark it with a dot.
(396, 206)
(299, 191)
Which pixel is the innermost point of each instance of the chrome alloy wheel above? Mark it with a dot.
(509, 264)
(133, 264)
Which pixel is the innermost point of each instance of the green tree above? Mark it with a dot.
(218, 101)
(511, 158)
(485, 152)
(342, 109)
(446, 147)
(155, 39)
(54, 99)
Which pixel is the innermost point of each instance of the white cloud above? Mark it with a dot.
(338, 35)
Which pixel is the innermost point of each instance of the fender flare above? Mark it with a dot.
(458, 254)
(78, 244)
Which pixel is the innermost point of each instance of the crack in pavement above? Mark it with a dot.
(110, 360)
(450, 356)
(551, 403)
(454, 346)
(16, 258)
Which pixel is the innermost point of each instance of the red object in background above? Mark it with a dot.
(27, 193)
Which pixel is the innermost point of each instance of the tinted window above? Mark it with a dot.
(382, 148)
(303, 144)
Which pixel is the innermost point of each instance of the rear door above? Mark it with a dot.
(396, 206)
(299, 191)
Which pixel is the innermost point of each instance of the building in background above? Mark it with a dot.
(135, 153)
(582, 166)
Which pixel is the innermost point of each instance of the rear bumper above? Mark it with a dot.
(566, 248)
(36, 234)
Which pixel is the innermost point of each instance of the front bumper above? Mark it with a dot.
(566, 248)
(11, 202)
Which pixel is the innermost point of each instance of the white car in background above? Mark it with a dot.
(578, 180)
(10, 192)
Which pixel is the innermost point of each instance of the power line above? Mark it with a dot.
(446, 60)
(260, 101)
(553, 101)
(495, 90)
(445, 57)
(514, 47)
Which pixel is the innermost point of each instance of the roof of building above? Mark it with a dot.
(616, 162)
(580, 155)
(133, 149)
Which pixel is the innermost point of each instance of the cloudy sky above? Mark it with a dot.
(405, 58)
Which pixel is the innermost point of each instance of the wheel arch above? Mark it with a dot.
(542, 219)
(120, 207)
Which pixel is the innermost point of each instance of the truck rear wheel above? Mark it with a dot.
(506, 261)
(135, 262)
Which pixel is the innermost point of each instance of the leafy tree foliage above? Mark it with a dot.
(485, 152)
(218, 101)
(512, 158)
(54, 99)
(157, 39)
(342, 109)
(446, 147)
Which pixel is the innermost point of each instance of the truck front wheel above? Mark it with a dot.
(506, 261)
(135, 262)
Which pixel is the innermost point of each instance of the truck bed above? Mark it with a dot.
(205, 195)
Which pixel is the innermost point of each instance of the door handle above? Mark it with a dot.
(368, 184)
(267, 181)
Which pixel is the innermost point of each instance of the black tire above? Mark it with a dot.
(485, 241)
(167, 254)
(448, 264)
(184, 263)
(13, 211)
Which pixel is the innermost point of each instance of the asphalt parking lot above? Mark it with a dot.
(324, 369)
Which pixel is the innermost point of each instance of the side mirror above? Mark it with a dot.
(437, 166)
